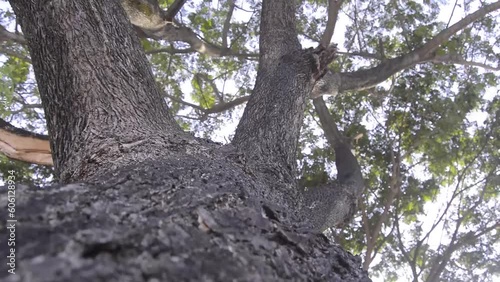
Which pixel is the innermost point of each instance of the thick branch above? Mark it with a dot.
(175, 99)
(174, 9)
(361, 54)
(431, 46)
(362, 79)
(153, 23)
(333, 12)
(447, 58)
(334, 204)
(22, 145)
(270, 124)
(331, 131)
(19, 144)
(347, 165)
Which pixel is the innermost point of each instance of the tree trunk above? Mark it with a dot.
(159, 204)
(101, 103)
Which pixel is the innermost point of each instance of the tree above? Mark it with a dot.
(421, 40)
(196, 211)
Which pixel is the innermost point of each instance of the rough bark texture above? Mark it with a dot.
(270, 125)
(274, 125)
(178, 219)
(341, 194)
(109, 114)
(159, 204)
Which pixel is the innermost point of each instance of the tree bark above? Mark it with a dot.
(185, 219)
(270, 125)
(159, 204)
(102, 106)
(342, 195)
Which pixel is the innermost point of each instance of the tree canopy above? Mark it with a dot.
(415, 87)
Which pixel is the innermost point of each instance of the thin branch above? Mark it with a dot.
(456, 193)
(445, 34)
(8, 52)
(441, 261)
(175, 99)
(402, 23)
(366, 227)
(212, 84)
(355, 20)
(394, 186)
(6, 35)
(174, 51)
(459, 60)
(438, 267)
(25, 107)
(217, 108)
(188, 117)
(382, 242)
(452, 12)
(171, 51)
(244, 10)
(361, 54)
(401, 246)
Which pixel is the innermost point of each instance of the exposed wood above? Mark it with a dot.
(23, 145)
